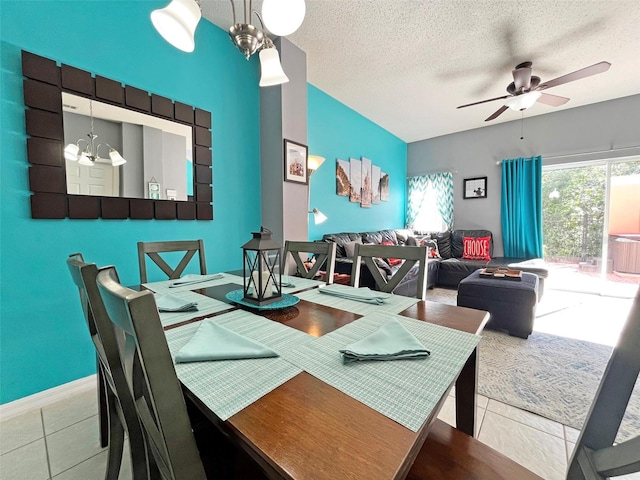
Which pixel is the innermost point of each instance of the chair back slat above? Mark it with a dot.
(109, 346)
(153, 250)
(367, 253)
(325, 253)
(157, 393)
(595, 456)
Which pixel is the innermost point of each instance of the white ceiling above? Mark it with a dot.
(407, 64)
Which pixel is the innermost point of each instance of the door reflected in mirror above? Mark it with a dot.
(158, 153)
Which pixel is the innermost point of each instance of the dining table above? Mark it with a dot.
(310, 424)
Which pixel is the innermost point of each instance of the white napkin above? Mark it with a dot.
(364, 294)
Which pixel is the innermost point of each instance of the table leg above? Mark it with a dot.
(466, 386)
(103, 413)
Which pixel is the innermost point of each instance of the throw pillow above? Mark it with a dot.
(476, 248)
(432, 247)
(391, 261)
(350, 248)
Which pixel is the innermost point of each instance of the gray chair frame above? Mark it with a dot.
(121, 412)
(367, 252)
(151, 376)
(595, 455)
(325, 251)
(153, 249)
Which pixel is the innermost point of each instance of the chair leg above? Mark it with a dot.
(103, 408)
(116, 438)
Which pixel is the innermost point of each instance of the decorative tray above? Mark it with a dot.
(287, 300)
(501, 273)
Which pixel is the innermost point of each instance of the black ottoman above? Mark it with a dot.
(511, 303)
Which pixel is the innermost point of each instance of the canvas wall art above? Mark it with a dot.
(375, 184)
(356, 180)
(384, 186)
(343, 182)
(365, 196)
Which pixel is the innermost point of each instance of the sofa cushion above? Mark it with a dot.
(403, 235)
(444, 243)
(340, 239)
(432, 248)
(379, 237)
(457, 247)
(476, 248)
(350, 248)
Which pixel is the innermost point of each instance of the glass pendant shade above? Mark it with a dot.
(116, 158)
(71, 152)
(283, 17)
(177, 23)
(314, 162)
(524, 101)
(85, 159)
(270, 68)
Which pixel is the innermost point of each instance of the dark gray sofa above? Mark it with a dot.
(446, 271)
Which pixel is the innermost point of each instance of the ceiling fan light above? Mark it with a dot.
(71, 152)
(116, 158)
(177, 23)
(271, 72)
(283, 17)
(524, 101)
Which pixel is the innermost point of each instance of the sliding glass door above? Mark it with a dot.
(591, 217)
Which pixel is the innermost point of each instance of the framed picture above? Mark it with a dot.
(475, 187)
(295, 162)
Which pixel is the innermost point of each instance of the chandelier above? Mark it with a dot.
(89, 156)
(177, 23)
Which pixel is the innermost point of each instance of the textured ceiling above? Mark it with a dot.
(407, 64)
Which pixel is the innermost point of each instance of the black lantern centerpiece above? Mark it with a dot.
(261, 269)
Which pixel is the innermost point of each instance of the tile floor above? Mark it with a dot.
(60, 441)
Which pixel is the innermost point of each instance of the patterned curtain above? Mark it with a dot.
(442, 183)
(522, 207)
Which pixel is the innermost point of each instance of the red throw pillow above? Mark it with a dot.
(391, 261)
(476, 248)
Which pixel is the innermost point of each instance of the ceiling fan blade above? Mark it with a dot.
(553, 100)
(484, 101)
(522, 78)
(577, 75)
(498, 112)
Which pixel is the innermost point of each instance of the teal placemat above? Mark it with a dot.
(228, 386)
(164, 286)
(404, 390)
(206, 306)
(393, 303)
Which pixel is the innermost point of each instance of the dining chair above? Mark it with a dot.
(154, 249)
(158, 397)
(324, 253)
(121, 413)
(370, 253)
(595, 455)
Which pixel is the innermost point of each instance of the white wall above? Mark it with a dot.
(602, 126)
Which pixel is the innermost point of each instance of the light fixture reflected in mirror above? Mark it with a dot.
(554, 194)
(89, 156)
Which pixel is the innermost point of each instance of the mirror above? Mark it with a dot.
(158, 152)
(166, 172)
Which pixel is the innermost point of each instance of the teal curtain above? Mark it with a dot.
(522, 207)
(417, 191)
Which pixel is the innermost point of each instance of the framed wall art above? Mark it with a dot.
(295, 162)
(474, 188)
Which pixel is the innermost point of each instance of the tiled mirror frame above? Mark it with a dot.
(43, 84)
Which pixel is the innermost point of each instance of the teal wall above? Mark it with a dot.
(336, 131)
(43, 340)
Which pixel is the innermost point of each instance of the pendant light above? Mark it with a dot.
(177, 23)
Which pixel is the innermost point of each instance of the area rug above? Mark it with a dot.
(552, 376)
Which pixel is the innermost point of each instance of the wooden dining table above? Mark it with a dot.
(307, 429)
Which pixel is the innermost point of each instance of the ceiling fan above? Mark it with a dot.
(526, 89)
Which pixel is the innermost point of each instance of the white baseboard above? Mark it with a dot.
(47, 397)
